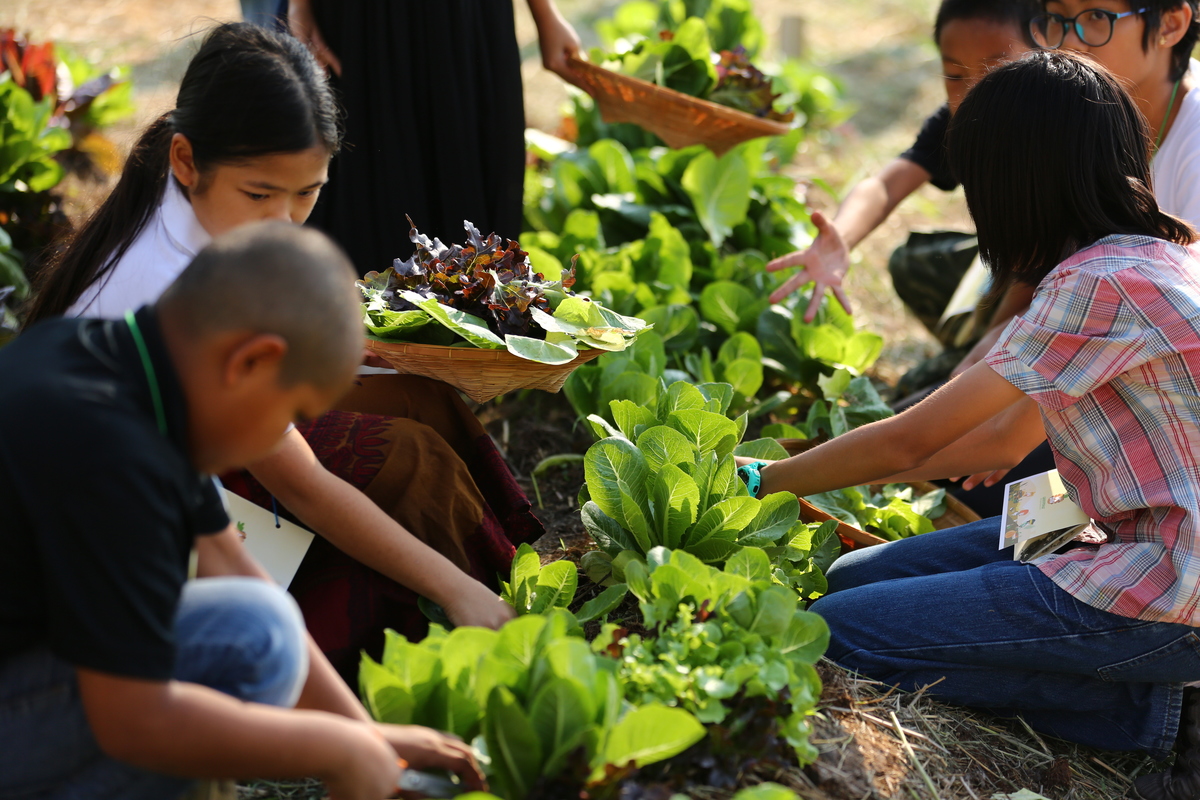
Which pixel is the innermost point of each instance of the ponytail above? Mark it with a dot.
(248, 92)
(91, 252)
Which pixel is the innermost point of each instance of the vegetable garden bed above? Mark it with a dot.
(967, 755)
(663, 235)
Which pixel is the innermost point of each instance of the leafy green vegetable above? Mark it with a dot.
(684, 57)
(28, 141)
(720, 190)
(731, 23)
(679, 59)
(541, 702)
(663, 475)
(490, 296)
(803, 352)
(743, 86)
(719, 634)
(534, 589)
(892, 513)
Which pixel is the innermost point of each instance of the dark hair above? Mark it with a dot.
(221, 291)
(1181, 53)
(1053, 155)
(1015, 12)
(247, 92)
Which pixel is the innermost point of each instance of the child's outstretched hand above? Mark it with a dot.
(424, 748)
(825, 262)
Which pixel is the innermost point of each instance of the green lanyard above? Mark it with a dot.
(1170, 107)
(148, 367)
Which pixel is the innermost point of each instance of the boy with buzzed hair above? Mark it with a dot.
(117, 679)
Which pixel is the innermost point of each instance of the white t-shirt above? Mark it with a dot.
(167, 244)
(171, 239)
(1176, 166)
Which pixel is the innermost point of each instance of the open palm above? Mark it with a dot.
(824, 263)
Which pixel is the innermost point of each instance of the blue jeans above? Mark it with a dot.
(241, 636)
(263, 13)
(999, 635)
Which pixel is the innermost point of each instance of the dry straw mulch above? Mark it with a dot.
(880, 743)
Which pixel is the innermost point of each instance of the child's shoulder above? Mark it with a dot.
(1118, 254)
(63, 383)
(1123, 265)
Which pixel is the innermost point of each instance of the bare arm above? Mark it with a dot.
(828, 258)
(1015, 300)
(871, 202)
(303, 25)
(556, 38)
(359, 528)
(1001, 442)
(193, 731)
(324, 690)
(903, 444)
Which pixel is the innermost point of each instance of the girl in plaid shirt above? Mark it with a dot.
(1094, 643)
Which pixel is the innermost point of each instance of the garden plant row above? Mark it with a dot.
(710, 679)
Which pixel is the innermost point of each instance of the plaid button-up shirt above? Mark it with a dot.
(1110, 351)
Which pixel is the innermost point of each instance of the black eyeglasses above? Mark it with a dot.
(1094, 27)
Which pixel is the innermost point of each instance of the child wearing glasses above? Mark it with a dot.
(972, 37)
(1148, 45)
(1094, 643)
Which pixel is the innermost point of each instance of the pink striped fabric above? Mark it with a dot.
(1110, 350)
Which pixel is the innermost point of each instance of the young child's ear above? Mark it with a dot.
(259, 356)
(183, 161)
(1174, 25)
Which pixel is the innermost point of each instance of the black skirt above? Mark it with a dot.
(434, 124)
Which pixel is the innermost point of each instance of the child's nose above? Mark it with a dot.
(1072, 41)
(281, 212)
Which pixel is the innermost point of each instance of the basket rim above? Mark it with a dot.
(769, 126)
(465, 353)
(443, 350)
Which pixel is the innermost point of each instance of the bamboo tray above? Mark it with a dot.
(676, 118)
(480, 374)
(957, 512)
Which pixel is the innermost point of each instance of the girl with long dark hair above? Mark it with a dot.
(251, 137)
(1093, 643)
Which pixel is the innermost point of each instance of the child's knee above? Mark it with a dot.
(244, 637)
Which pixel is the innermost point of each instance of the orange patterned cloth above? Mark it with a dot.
(414, 448)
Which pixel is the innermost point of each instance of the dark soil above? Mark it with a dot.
(529, 428)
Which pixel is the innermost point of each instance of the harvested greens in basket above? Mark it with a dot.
(684, 60)
(485, 294)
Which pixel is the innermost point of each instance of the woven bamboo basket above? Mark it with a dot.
(957, 513)
(481, 374)
(676, 118)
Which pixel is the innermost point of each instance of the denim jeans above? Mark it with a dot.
(262, 12)
(241, 636)
(996, 634)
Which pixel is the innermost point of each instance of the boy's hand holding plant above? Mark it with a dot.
(426, 749)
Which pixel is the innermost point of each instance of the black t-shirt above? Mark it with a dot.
(929, 150)
(98, 510)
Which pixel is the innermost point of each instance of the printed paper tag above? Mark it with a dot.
(1039, 516)
(279, 550)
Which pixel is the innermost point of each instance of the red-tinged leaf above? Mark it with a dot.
(40, 70)
(488, 277)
